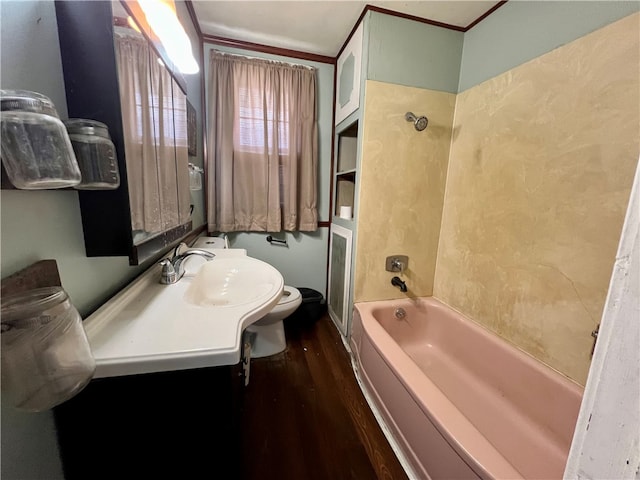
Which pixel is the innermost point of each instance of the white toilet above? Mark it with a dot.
(267, 334)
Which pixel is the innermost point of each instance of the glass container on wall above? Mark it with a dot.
(36, 150)
(95, 153)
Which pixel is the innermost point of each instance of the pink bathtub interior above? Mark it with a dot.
(460, 401)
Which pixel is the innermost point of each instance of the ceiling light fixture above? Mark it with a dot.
(164, 22)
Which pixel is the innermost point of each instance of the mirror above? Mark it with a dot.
(144, 106)
(155, 134)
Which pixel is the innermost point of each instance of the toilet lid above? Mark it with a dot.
(289, 295)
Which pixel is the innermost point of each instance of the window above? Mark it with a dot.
(254, 115)
(263, 138)
(162, 107)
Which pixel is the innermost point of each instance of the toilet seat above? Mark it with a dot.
(289, 295)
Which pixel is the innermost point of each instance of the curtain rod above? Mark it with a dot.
(120, 31)
(264, 59)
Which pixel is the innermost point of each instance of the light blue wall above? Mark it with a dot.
(304, 262)
(520, 31)
(414, 54)
(37, 225)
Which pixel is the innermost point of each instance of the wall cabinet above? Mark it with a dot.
(340, 277)
(340, 249)
(349, 65)
(345, 176)
(86, 34)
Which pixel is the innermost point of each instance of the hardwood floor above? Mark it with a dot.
(302, 417)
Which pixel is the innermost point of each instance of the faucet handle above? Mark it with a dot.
(168, 274)
(396, 263)
(176, 251)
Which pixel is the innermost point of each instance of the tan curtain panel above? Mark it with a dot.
(162, 99)
(263, 145)
(182, 153)
(135, 78)
(155, 138)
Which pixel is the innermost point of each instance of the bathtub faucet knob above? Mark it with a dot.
(396, 282)
(396, 263)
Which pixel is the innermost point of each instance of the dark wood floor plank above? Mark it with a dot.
(325, 429)
(336, 415)
(368, 431)
(271, 441)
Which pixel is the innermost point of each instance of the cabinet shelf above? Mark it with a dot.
(347, 153)
(346, 168)
(347, 223)
(349, 175)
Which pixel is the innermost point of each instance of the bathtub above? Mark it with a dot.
(458, 401)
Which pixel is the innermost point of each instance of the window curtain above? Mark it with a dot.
(164, 135)
(263, 145)
(134, 77)
(182, 153)
(155, 138)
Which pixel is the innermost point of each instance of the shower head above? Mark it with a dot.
(420, 123)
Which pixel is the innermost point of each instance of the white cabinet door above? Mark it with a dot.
(340, 277)
(348, 77)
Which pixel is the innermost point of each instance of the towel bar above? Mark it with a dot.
(272, 240)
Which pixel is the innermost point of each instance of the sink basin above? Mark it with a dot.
(196, 322)
(226, 282)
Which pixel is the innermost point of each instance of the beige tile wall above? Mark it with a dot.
(540, 172)
(402, 180)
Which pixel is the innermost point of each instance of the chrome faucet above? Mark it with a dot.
(173, 270)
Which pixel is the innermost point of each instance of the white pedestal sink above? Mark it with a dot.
(196, 322)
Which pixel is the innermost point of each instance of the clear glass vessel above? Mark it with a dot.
(36, 150)
(46, 357)
(95, 153)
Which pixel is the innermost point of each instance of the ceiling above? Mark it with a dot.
(319, 27)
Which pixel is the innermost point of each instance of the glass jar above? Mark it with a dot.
(46, 358)
(36, 150)
(95, 153)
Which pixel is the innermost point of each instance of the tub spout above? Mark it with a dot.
(396, 282)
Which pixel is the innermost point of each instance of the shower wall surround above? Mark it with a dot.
(403, 179)
(540, 171)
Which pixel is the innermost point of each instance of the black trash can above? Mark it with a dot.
(313, 306)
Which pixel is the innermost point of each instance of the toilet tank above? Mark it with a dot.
(209, 243)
